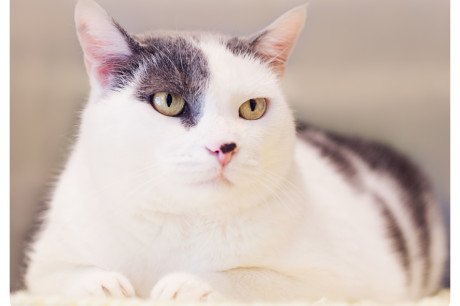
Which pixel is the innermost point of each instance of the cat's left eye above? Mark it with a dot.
(253, 109)
(168, 104)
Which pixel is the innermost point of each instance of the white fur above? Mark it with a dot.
(139, 208)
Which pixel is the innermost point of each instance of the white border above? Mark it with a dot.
(5, 150)
(454, 146)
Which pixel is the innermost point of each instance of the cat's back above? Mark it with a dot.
(380, 197)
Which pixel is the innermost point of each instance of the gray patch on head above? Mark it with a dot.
(244, 46)
(175, 65)
(171, 63)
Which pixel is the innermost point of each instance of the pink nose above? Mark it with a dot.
(224, 153)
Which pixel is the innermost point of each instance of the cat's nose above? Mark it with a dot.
(224, 152)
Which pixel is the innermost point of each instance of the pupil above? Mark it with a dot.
(169, 100)
(252, 104)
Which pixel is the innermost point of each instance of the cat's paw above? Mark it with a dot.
(102, 283)
(184, 287)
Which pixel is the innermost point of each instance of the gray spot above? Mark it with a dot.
(396, 235)
(246, 46)
(175, 65)
(172, 63)
(228, 147)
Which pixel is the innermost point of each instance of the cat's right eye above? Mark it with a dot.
(253, 109)
(168, 103)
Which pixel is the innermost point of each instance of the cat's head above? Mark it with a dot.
(186, 121)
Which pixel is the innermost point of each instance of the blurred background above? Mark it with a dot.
(379, 69)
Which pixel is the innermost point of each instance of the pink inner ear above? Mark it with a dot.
(280, 55)
(101, 72)
(278, 40)
(99, 59)
(276, 55)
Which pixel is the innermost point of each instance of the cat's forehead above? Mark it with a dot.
(177, 62)
(239, 46)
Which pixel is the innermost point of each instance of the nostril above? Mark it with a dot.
(227, 147)
(212, 151)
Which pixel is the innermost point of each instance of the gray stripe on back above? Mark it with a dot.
(413, 186)
(333, 153)
(396, 235)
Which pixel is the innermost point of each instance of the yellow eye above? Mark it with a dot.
(253, 109)
(168, 104)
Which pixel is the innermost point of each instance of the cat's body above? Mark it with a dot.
(209, 205)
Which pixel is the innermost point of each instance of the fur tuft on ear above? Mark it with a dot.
(276, 42)
(105, 44)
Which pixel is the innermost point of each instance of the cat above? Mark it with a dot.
(189, 181)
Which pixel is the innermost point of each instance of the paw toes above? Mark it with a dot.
(110, 284)
(183, 287)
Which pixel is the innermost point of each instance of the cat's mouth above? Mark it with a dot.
(218, 180)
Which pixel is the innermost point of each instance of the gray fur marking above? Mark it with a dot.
(413, 186)
(396, 235)
(241, 46)
(328, 150)
(172, 63)
(175, 65)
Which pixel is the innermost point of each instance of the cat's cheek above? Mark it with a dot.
(184, 287)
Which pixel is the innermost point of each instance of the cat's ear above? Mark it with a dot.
(105, 44)
(276, 42)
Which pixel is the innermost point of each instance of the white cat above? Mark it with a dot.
(188, 181)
